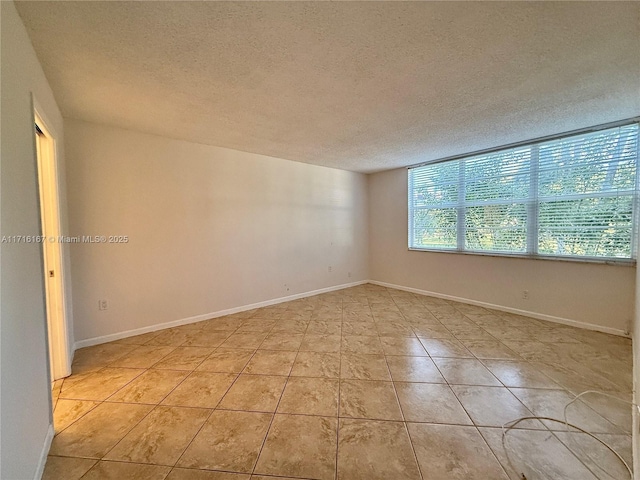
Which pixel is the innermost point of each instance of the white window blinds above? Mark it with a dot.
(570, 197)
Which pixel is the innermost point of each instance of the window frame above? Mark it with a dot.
(532, 205)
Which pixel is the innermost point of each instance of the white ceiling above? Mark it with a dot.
(363, 86)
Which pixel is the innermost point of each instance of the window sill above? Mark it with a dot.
(619, 262)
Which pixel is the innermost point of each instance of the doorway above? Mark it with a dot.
(58, 343)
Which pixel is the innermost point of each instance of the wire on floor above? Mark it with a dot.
(509, 425)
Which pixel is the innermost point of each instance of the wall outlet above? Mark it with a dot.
(103, 305)
(349, 274)
(330, 268)
(286, 287)
(525, 294)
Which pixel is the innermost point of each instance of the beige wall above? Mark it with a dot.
(636, 377)
(25, 403)
(596, 294)
(210, 228)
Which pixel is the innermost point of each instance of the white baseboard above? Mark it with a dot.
(206, 316)
(44, 453)
(539, 316)
(197, 318)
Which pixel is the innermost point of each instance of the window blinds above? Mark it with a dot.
(574, 196)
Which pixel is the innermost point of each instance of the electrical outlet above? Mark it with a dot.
(103, 305)
(349, 274)
(286, 287)
(330, 268)
(525, 294)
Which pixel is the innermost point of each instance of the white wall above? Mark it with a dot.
(210, 228)
(25, 411)
(596, 294)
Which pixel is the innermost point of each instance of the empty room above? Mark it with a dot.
(319, 240)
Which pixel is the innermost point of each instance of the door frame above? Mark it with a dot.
(47, 155)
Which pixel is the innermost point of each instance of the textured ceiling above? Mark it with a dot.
(363, 86)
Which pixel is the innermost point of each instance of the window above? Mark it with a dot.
(574, 196)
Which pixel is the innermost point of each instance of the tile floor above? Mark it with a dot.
(362, 383)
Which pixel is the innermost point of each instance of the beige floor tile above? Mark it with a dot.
(358, 315)
(98, 431)
(184, 358)
(68, 411)
(293, 326)
(100, 385)
(324, 327)
(571, 380)
(256, 325)
(300, 446)
(247, 340)
(228, 441)
(433, 403)
(445, 347)
(361, 344)
(598, 458)
(150, 387)
(519, 374)
(420, 318)
(270, 362)
(492, 406)
(333, 315)
(316, 364)
(191, 474)
(226, 323)
(369, 399)
(617, 410)
(66, 468)
(117, 471)
(258, 393)
(551, 403)
(226, 361)
(450, 452)
(320, 343)
(310, 396)
(402, 346)
(387, 317)
(399, 328)
(161, 437)
(533, 351)
(465, 371)
(142, 357)
(413, 369)
(374, 450)
(366, 351)
(270, 477)
(171, 337)
(302, 315)
(364, 367)
(536, 454)
(490, 349)
(282, 341)
(200, 389)
(430, 332)
(56, 388)
(353, 327)
(206, 338)
(100, 355)
(469, 332)
(506, 333)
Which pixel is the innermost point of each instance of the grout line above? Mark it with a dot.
(404, 420)
(273, 415)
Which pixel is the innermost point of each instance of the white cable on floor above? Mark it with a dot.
(513, 423)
